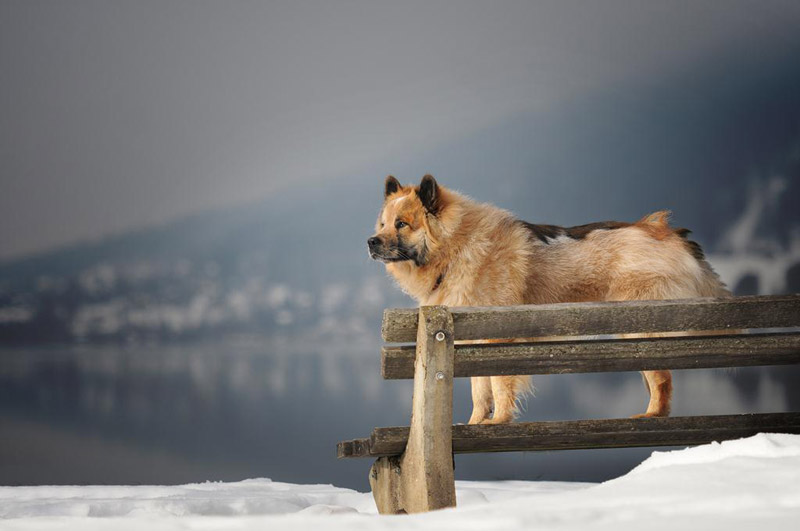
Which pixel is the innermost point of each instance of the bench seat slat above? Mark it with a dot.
(607, 355)
(600, 318)
(582, 434)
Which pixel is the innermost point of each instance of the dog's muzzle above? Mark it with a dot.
(374, 244)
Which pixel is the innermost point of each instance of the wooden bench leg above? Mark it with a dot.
(386, 485)
(422, 478)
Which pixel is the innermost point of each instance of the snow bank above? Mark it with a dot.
(763, 445)
(733, 485)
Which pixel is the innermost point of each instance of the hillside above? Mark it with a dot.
(728, 168)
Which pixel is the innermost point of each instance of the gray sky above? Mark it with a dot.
(115, 115)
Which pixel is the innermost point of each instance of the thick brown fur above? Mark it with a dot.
(444, 248)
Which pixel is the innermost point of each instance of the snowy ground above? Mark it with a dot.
(734, 485)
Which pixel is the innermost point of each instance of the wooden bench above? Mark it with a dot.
(414, 467)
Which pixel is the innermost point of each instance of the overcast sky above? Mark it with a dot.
(115, 115)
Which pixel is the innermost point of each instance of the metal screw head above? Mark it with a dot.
(440, 375)
(440, 336)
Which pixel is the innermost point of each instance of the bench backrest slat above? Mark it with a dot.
(606, 355)
(600, 318)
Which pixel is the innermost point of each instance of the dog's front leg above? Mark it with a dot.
(481, 399)
(504, 395)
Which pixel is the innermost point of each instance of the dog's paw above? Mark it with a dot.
(477, 419)
(504, 420)
(650, 415)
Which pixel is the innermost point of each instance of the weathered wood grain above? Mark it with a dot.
(421, 479)
(607, 355)
(599, 318)
(582, 434)
(351, 448)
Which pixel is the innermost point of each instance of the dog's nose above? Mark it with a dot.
(373, 242)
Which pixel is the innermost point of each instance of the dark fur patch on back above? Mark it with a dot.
(579, 232)
(543, 232)
(693, 246)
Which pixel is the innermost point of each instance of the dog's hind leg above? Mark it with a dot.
(481, 399)
(659, 384)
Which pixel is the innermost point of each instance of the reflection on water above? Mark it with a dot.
(243, 408)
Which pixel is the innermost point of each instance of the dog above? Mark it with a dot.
(443, 248)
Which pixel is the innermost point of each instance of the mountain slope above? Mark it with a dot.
(710, 148)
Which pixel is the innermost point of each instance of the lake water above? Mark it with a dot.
(248, 407)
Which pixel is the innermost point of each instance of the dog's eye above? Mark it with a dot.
(400, 224)
(381, 224)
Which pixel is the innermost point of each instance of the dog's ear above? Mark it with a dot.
(429, 194)
(391, 186)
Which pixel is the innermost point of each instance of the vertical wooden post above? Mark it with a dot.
(422, 478)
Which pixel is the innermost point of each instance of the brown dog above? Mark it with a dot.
(444, 248)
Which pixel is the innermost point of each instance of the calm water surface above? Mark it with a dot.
(245, 407)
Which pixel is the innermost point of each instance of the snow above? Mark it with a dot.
(733, 485)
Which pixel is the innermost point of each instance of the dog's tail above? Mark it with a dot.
(657, 225)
